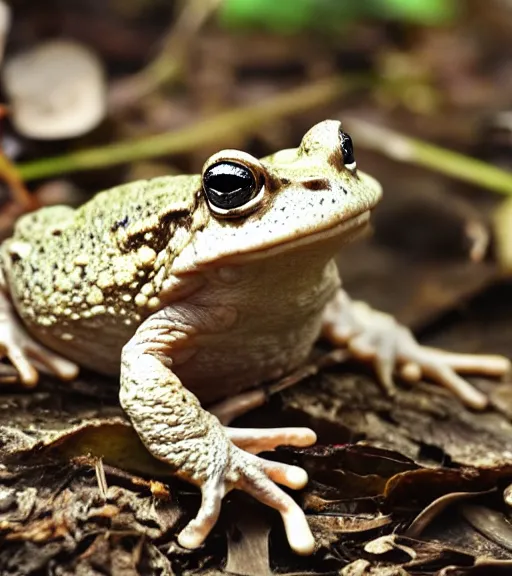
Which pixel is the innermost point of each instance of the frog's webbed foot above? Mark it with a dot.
(377, 338)
(22, 350)
(259, 478)
(176, 429)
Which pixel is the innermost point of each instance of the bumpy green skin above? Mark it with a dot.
(73, 272)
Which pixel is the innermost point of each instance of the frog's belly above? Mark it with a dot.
(279, 318)
(264, 346)
(224, 367)
(217, 365)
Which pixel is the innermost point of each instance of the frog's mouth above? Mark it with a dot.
(343, 233)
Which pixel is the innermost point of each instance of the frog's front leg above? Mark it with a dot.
(176, 429)
(376, 337)
(22, 350)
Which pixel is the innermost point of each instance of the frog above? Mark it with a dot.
(197, 289)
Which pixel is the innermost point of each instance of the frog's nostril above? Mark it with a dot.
(317, 184)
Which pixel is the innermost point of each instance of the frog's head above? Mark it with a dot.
(294, 197)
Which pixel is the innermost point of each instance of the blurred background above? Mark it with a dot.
(99, 93)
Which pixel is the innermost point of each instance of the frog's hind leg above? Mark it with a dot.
(377, 338)
(22, 350)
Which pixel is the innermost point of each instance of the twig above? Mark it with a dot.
(168, 63)
(10, 174)
(238, 121)
(412, 151)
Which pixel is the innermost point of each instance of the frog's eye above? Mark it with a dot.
(229, 185)
(347, 149)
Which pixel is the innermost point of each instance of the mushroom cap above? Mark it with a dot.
(57, 90)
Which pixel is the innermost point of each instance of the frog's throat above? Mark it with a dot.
(345, 232)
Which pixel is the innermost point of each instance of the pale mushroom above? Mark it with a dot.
(56, 90)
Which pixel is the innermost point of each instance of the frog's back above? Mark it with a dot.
(78, 275)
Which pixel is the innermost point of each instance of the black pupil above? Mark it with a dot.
(347, 148)
(228, 185)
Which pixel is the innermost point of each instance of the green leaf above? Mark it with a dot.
(280, 15)
(296, 15)
(288, 15)
(426, 12)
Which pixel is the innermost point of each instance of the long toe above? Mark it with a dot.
(53, 363)
(445, 376)
(256, 440)
(196, 531)
(488, 364)
(296, 526)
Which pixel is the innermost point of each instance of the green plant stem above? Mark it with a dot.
(412, 151)
(235, 122)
